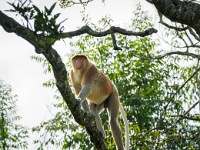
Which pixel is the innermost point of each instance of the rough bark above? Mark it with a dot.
(184, 12)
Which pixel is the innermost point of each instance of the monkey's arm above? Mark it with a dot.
(82, 96)
(87, 82)
(85, 91)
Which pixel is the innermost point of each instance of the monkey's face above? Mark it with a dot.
(79, 62)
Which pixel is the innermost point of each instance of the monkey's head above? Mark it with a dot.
(79, 61)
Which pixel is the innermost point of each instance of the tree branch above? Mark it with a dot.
(194, 34)
(81, 117)
(173, 96)
(111, 31)
(10, 25)
(186, 117)
(170, 26)
(177, 53)
(180, 11)
(85, 119)
(88, 30)
(182, 116)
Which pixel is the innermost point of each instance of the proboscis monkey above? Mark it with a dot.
(91, 84)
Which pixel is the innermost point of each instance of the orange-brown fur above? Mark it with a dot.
(91, 84)
(86, 73)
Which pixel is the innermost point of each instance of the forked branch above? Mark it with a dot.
(111, 31)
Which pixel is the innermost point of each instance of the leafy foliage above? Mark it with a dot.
(145, 86)
(45, 23)
(12, 135)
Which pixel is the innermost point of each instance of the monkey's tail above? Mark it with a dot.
(127, 140)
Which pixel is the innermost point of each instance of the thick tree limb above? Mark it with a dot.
(180, 11)
(111, 31)
(80, 116)
(60, 73)
(10, 25)
(88, 30)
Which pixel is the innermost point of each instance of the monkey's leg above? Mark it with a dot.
(113, 109)
(95, 110)
(85, 106)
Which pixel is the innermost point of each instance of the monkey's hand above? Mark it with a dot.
(78, 103)
(84, 104)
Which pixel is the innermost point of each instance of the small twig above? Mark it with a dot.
(145, 134)
(186, 117)
(186, 33)
(182, 86)
(194, 34)
(178, 53)
(175, 122)
(169, 26)
(173, 95)
(184, 41)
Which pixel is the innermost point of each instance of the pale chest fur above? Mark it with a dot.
(77, 77)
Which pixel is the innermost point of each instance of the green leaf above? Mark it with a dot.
(52, 7)
(37, 9)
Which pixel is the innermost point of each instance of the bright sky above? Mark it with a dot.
(26, 76)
